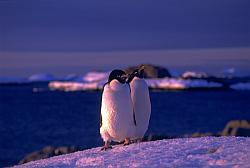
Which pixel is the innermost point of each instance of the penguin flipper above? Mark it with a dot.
(101, 105)
(100, 120)
(130, 78)
(134, 117)
(133, 108)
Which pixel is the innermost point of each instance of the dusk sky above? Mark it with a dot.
(63, 37)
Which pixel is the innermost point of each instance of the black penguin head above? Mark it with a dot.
(136, 73)
(118, 75)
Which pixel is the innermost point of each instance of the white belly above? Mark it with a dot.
(141, 104)
(117, 112)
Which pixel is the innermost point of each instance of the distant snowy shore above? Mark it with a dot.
(96, 80)
(163, 83)
(185, 152)
(189, 80)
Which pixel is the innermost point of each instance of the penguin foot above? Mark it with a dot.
(106, 148)
(126, 142)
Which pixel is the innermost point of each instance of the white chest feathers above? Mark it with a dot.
(117, 112)
(141, 104)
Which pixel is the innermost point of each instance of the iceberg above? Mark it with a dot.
(241, 86)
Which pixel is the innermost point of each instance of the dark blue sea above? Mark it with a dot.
(30, 120)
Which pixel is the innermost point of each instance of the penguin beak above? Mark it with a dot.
(141, 71)
(142, 68)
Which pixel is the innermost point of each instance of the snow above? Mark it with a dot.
(74, 86)
(186, 152)
(90, 81)
(191, 74)
(90, 77)
(241, 86)
(42, 77)
(96, 76)
(178, 83)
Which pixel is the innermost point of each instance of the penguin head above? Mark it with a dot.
(136, 73)
(139, 72)
(118, 75)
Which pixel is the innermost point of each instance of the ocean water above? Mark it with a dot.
(30, 120)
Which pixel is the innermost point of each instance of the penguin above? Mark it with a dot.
(141, 102)
(117, 121)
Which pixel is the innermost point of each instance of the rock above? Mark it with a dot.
(151, 71)
(233, 128)
(237, 128)
(46, 152)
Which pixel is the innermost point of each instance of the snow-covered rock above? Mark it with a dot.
(42, 77)
(191, 74)
(186, 152)
(75, 86)
(96, 76)
(178, 83)
(90, 81)
(166, 83)
(241, 86)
